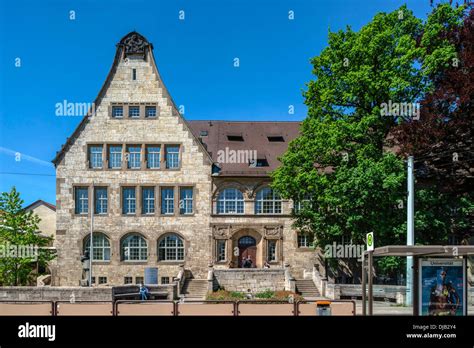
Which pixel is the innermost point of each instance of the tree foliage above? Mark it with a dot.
(341, 164)
(20, 228)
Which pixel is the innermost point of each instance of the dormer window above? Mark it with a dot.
(117, 111)
(276, 139)
(235, 137)
(134, 111)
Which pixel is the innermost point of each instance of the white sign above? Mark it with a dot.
(370, 241)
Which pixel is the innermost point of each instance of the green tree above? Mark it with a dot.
(20, 228)
(339, 164)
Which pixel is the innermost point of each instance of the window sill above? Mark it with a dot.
(171, 263)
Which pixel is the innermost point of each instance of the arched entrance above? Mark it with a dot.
(247, 242)
(247, 251)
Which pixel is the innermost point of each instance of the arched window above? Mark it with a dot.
(170, 248)
(134, 248)
(100, 246)
(230, 201)
(268, 201)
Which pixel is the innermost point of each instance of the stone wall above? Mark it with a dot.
(257, 280)
(63, 293)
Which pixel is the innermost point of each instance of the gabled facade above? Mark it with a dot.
(161, 195)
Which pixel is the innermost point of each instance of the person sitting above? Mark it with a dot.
(266, 265)
(144, 293)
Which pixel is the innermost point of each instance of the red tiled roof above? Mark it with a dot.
(255, 138)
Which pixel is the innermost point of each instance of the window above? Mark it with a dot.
(171, 248)
(139, 280)
(268, 202)
(95, 156)
(100, 248)
(128, 280)
(134, 74)
(305, 240)
(115, 156)
(172, 156)
(272, 250)
(260, 162)
(129, 200)
(102, 280)
(134, 111)
(204, 133)
(93, 280)
(134, 248)
(134, 157)
(81, 200)
(148, 200)
(276, 139)
(235, 138)
(230, 201)
(220, 252)
(153, 157)
(150, 111)
(167, 200)
(117, 111)
(100, 197)
(185, 200)
(165, 280)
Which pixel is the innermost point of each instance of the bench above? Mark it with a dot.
(132, 292)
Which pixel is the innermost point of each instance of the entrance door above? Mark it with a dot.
(247, 247)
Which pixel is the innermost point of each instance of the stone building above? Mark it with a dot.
(166, 192)
(47, 214)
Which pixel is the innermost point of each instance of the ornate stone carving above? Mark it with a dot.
(134, 43)
(273, 231)
(221, 231)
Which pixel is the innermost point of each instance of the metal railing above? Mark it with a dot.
(172, 308)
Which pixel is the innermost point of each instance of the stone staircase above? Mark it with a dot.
(306, 288)
(194, 289)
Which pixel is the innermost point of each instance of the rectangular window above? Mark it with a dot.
(117, 111)
(148, 200)
(95, 156)
(167, 200)
(220, 252)
(100, 197)
(153, 157)
(134, 111)
(128, 280)
(172, 156)
(165, 280)
(129, 200)
(134, 157)
(138, 280)
(134, 74)
(115, 156)
(81, 200)
(185, 200)
(305, 241)
(102, 280)
(272, 256)
(93, 280)
(150, 111)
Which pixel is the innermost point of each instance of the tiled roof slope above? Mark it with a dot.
(255, 137)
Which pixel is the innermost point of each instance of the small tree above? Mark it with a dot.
(19, 228)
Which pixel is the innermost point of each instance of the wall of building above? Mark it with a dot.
(73, 170)
(255, 280)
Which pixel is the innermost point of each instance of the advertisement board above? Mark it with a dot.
(442, 287)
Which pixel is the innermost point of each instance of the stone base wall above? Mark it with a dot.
(56, 293)
(257, 280)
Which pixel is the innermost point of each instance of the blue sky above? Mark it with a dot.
(63, 59)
